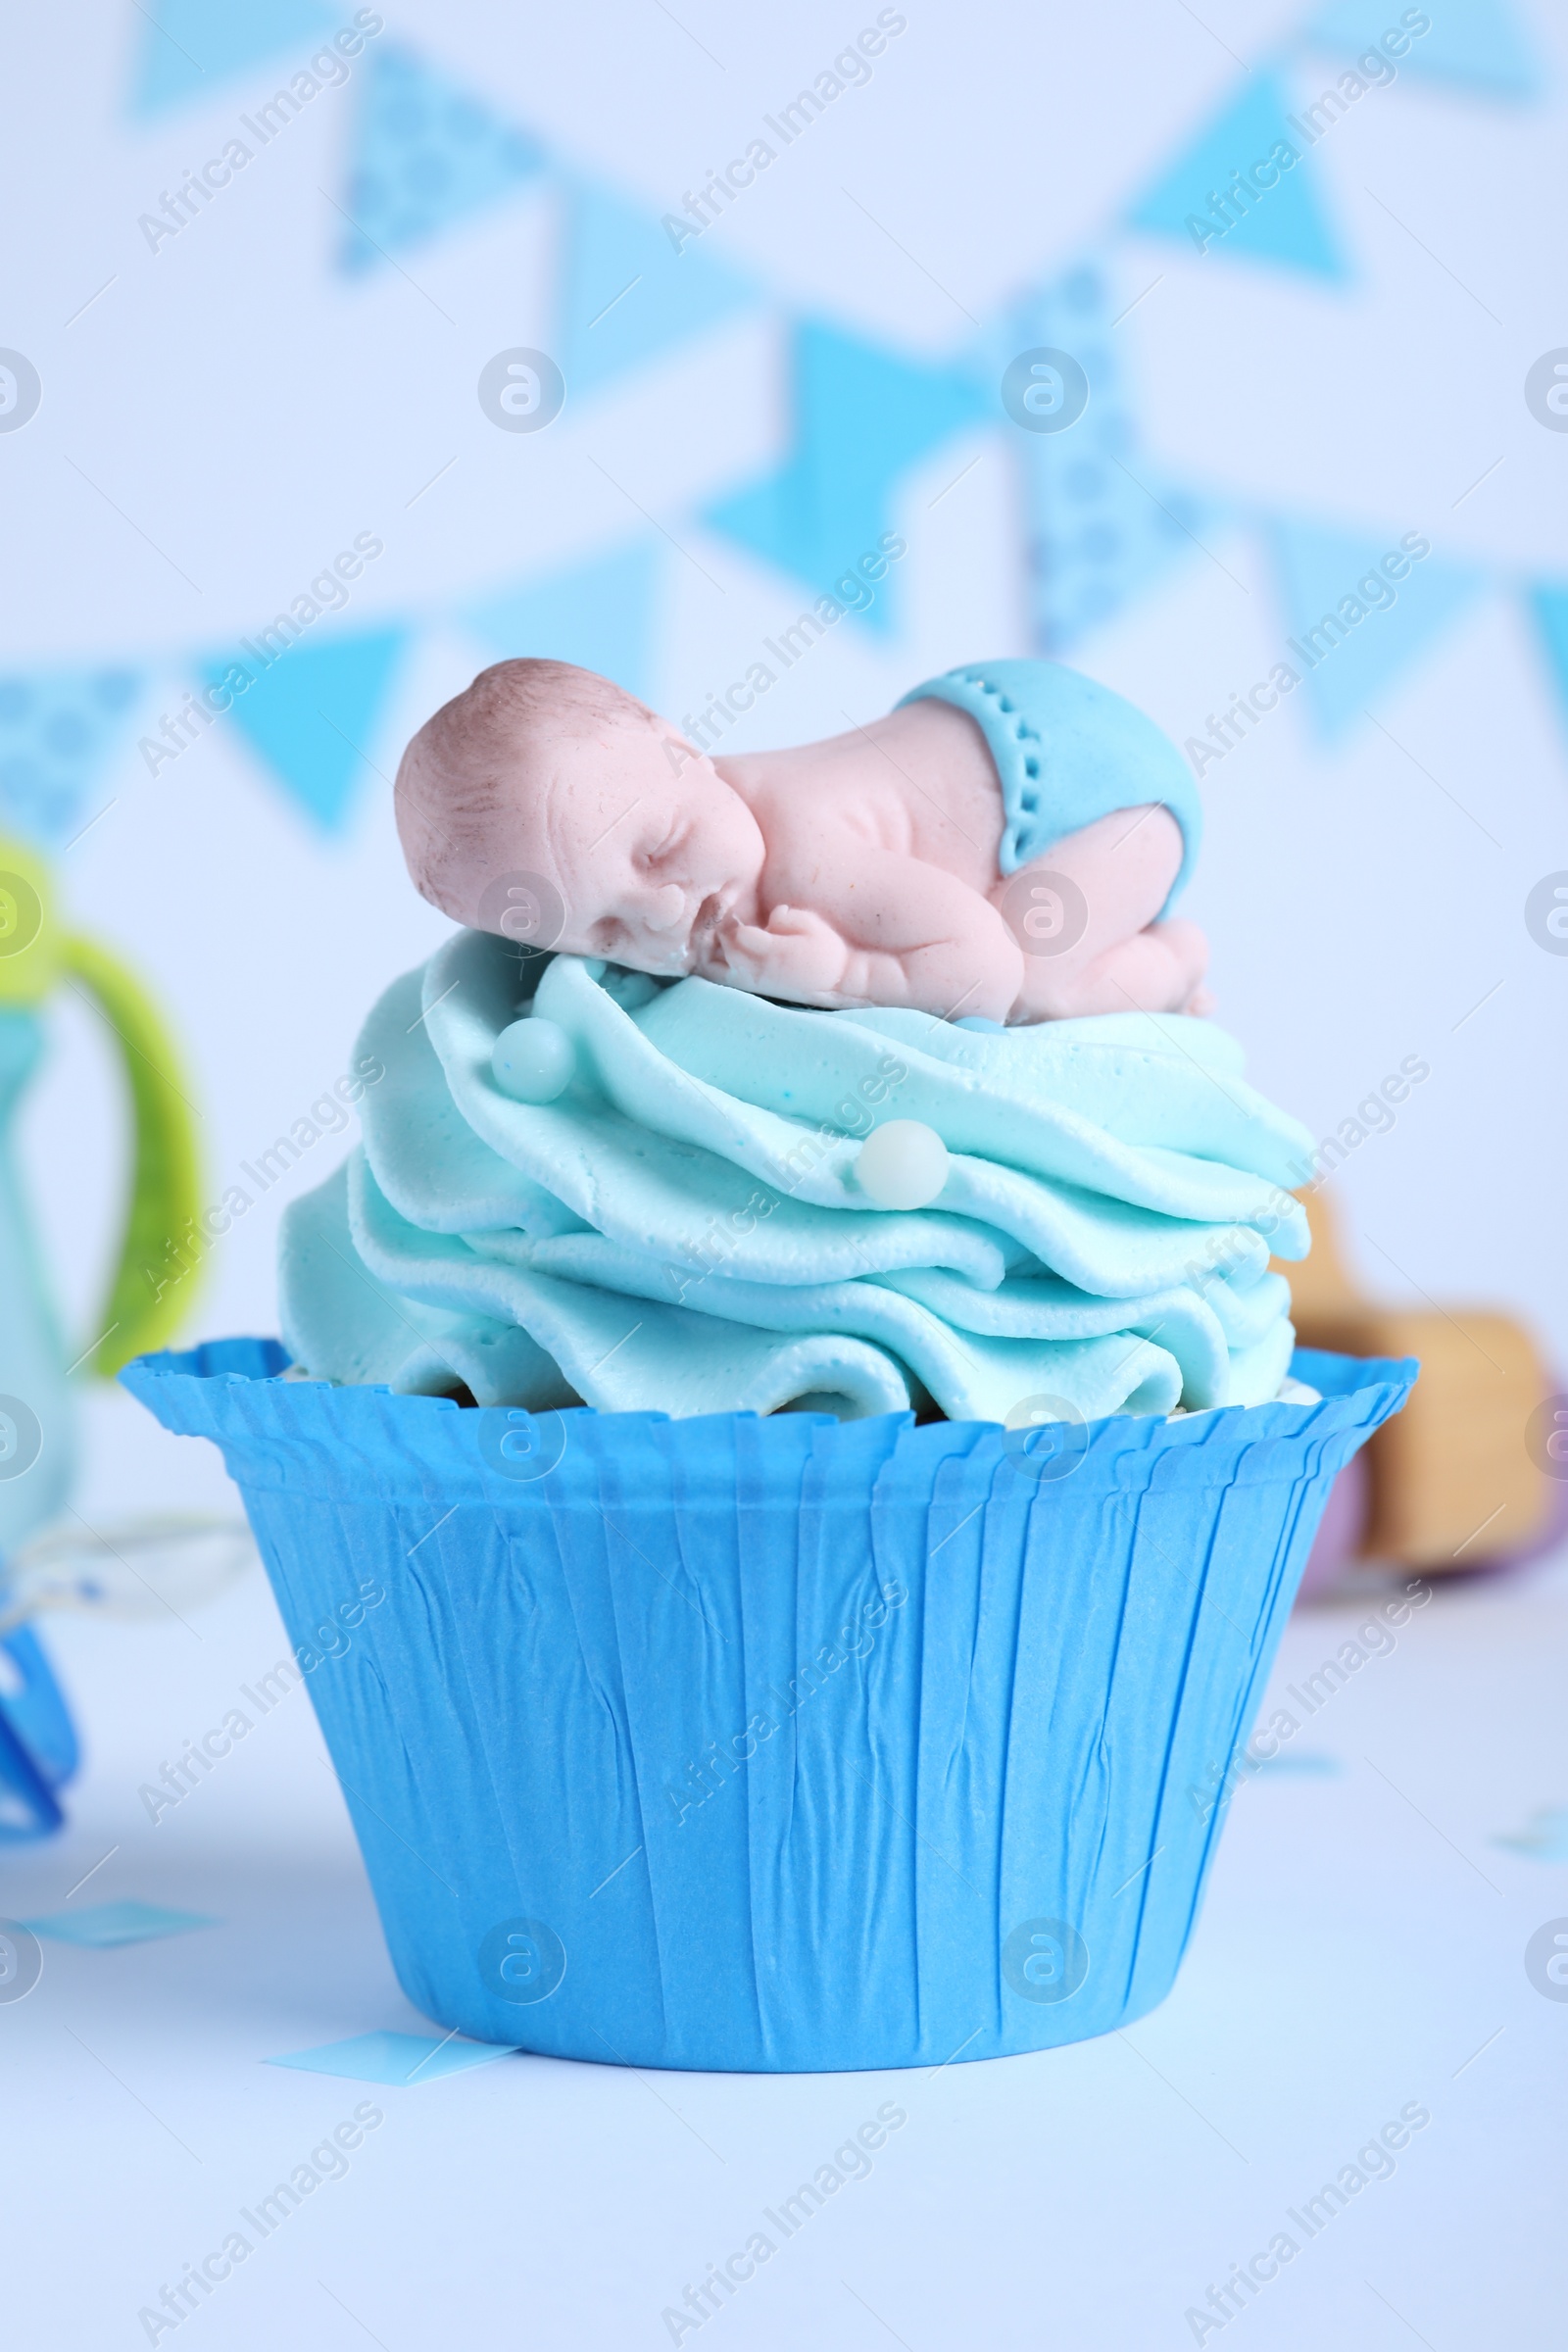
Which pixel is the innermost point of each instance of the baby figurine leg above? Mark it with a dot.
(1120, 958)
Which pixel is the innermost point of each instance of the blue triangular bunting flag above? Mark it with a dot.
(1104, 526)
(630, 292)
(1477, 44)
(189, 48)
(309, 710)
(862, 417)
(1247, 189)
(1358, 613)
(598, 615)
(428, 153)
(57, 730)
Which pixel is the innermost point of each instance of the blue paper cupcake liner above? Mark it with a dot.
(776, 1745)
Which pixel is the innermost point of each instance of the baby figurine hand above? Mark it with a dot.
(798, 953)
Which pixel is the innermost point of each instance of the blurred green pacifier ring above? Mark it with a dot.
(37, 1408)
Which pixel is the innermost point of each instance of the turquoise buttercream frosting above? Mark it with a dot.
(681, 1228)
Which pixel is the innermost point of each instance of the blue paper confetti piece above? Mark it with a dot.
(1284, 225)
(599, 615)
(630, 294)
(312, 713)
(398, 2059)
(1476, 44)
(862, 417)
(1319, 576)
(189, 48)
(427, 154)
(58, 730)
(1311, 1761)
(101, 1925)
(1104, 526)
(1546, 1839)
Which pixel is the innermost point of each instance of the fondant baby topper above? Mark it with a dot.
(1004, 844)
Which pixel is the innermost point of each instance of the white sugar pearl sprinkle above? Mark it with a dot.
(902, 1164)
(533, 1061)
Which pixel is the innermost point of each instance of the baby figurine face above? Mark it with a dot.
(650, 849)
(673, 857)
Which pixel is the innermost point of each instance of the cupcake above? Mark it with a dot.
(831, 1483)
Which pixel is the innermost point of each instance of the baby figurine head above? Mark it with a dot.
(539, 769)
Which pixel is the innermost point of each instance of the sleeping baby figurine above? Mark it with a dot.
(1003, 846)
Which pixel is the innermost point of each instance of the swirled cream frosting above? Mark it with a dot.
(682, 1228)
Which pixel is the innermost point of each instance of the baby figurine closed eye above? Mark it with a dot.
(1004, 844)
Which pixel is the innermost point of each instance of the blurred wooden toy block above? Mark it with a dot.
(1451, 1485)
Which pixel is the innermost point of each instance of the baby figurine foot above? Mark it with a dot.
(1114, 956)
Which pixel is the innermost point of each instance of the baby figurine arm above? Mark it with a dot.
(897, 932)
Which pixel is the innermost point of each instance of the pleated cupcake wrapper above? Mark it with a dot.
(784, 1743)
